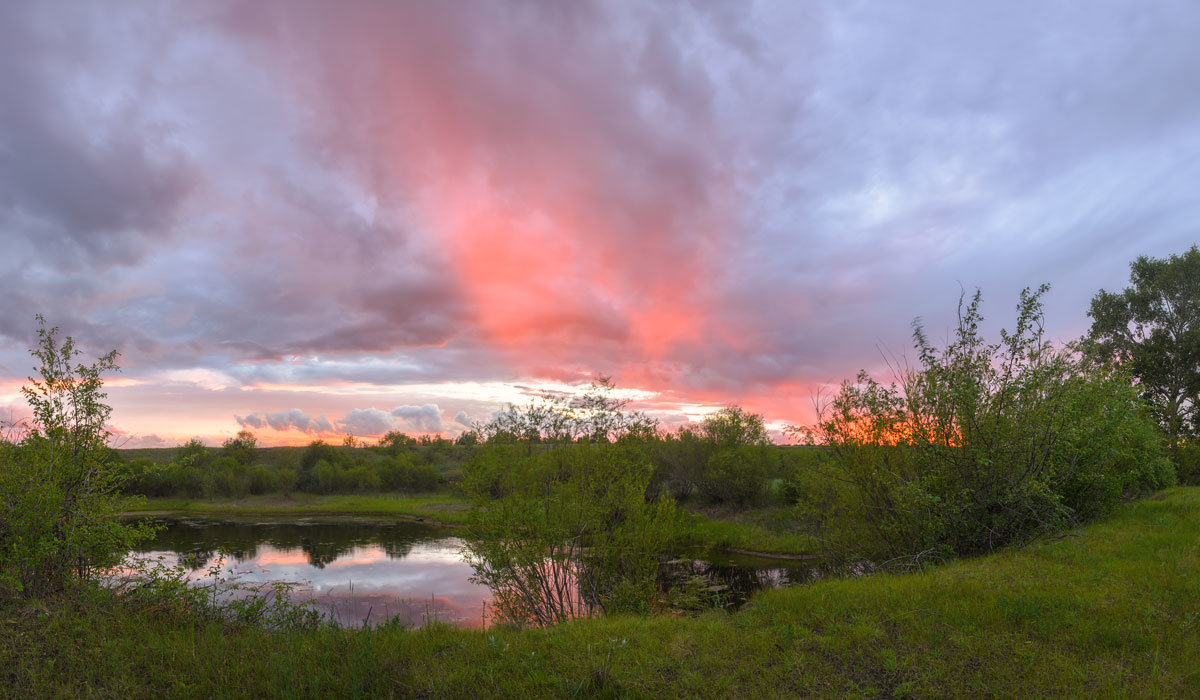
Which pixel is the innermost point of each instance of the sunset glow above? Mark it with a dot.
(312, 219)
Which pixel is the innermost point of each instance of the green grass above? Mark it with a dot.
(747, 531)
(750, 531)
(1112, 609)
(442, 507)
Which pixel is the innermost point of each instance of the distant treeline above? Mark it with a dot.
(238, 468)
(726, 459)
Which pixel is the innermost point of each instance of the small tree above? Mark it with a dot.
(59, 486)
(393, 441)
(242, 447)
(735, 470)
(597, 416)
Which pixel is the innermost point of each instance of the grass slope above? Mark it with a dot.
(1108, 610)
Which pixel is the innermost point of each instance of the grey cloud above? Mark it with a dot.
(87, 177)
(284, 420)
(366, 421)
(142, 441)
(423, 419)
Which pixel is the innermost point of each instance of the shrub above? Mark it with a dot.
(59, 486)
(679, 461)
(1187, 464)
(987, 444)
(285, 479)
(727, 458)
(242, 448)
(567, 531)
(735, 474)
(261, 481)
(403, 473)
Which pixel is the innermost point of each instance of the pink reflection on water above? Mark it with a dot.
(429, 582)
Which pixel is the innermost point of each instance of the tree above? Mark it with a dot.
(394, 440)
(597, 416)
(735, 470)
(1152, 329)
(59, 485)
(241, 448)
(726, 458)
(732, 426)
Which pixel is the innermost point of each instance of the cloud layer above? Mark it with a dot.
(282, 211)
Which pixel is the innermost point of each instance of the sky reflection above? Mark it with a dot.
(360, 571)
(418, 575)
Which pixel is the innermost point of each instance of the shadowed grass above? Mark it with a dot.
(732, 531)
(771, 529)
(1107, 610)
(442, 507)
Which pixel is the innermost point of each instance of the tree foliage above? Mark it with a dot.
(60, 483)
(986, 444)
(726, 459)
(597, 416)
(1152, 329)
(566, 529)
(241, 448)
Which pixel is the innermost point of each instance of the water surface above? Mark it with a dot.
(368, 570)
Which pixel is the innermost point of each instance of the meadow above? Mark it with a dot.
(1104, 610)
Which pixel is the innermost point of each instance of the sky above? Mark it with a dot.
(309, 219)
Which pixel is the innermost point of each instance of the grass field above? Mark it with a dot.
(1110, 610)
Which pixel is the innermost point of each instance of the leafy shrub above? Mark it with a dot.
(1187, 464)
(403, 473)
(285, 479)
(987, 444)
(735, 474)
(261, 481)
(567, 531)
(59, 485)
(679, 461)
(242, 448)
(726, 458)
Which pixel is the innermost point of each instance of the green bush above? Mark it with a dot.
(727, 459)
(284, 479)
(986, 444)
(241, 448)
(59, 485)
(679, 462)
(735, 474)
(567, 531)
(1187, 464)
(403, 473)
(261, 481)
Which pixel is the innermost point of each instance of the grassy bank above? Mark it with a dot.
(764, 530)
(440, 507)
(751, 531)
(1107, 610)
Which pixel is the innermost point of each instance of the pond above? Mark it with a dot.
(363, 570)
